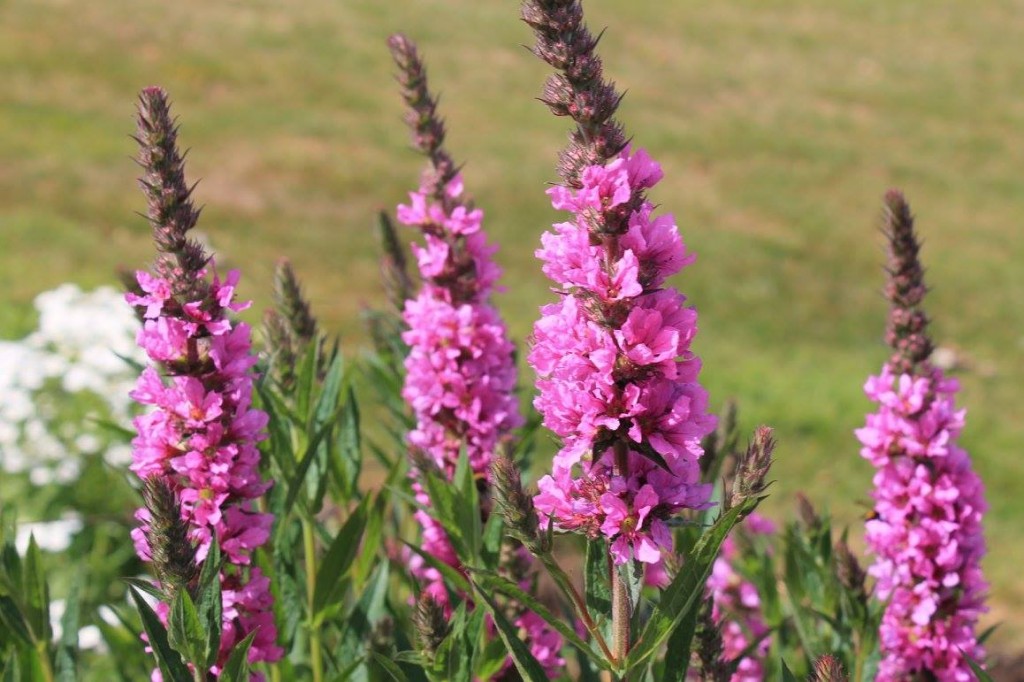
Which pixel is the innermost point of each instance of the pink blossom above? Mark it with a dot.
(614, 364)
(200, 436)
(927, 535)
(460, 375)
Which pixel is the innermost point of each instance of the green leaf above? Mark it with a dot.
(451, 575)
(787, 674)
(144, 586)
(67, 651)
(326, 415)
(978, 671)
(468, 507)
(236, 669)
(339, 558)
(347, 456)
(443, 503)
(493, 537)
(185, 632)
(36, 593)
(388, 666)
(210, 605)
(678, 650)
(14, 622)
(11, 671)
(372, 537)
(687, 589)
(595, 578)
(296, 482)
(498, 584)
(525, 663)
(31, 663)
(167, 659)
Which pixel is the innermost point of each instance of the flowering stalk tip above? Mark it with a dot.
(906, 331)
(579, 89)
(460, 370)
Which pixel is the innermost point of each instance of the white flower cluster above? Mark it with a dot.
(60, 381)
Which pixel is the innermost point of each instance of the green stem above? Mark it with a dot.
(44, 658)
(562, 580)
(309, 544)
(621, 607)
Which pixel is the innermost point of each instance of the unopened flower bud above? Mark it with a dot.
(174, 557)
(828, 669)
(751, 476)
(806, 511)
(516, 506)
(430, 623)
(848, 569)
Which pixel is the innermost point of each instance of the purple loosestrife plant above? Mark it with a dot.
(926, 533)
(460, 370)
(617, 380)
(199, 437)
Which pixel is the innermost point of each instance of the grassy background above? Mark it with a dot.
(779, 124)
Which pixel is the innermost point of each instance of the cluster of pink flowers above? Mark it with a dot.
(927, 533)
(615, 367)
(201, 438)
(460, 373)
(737, 607)
(460, 377)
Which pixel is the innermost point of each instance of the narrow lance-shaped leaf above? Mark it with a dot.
(687, 589)
(339, 557)
(167, 659)
(498, 584)
(525, 663)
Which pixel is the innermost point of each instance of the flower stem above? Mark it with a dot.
(563, 581)
(621, 606)
(309, 545)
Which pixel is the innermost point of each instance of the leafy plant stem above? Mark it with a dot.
(309, 546)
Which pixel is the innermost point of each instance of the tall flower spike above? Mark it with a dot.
(460, 371)
(617, 380)
(926, 535)
(196, 447)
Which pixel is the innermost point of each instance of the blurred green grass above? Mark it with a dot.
(779, 124)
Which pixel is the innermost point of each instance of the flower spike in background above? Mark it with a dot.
(460, 371)
(926, 535)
